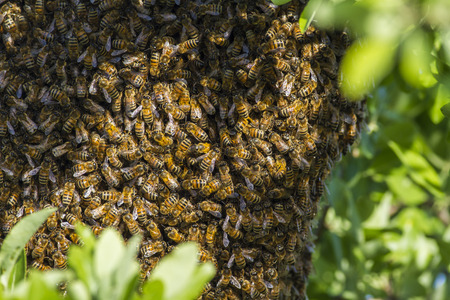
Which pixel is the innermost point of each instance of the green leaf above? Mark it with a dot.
(366, 63)
(380, 216)
(416, 59)
(280, 2)
(446, 110)
(442, 97)
(127, 272)
(78, 291)
(15, 241)
(107, 255)
(153, 290)
(308, 14)
(189, 283)
(40, 289)
(80, 261)
(19, 271)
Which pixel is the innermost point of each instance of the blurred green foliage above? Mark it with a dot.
(103, 268)
(384, 228)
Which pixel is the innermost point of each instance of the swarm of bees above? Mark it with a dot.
(208, 121)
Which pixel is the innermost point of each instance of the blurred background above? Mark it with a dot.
(384, 232)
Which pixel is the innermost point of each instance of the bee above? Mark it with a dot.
(192, 217)
(60, 96)
(169, 180)
(227, 278)
(188, 45)
(153, 230)
(68, 192)
(260, 287)
(206, 104)
(14, 195)
(174, 235)
(210, 83)
(196, 132)
(193, 184)
(176, 112)
(130, 173)
(62, 242)
(83, 168)
(211, 207)
(60, 260)
(114, 133)
(150, 249)
(90, 180)
(249, 195)
(212, 187)
(132, 225)
(97, 212)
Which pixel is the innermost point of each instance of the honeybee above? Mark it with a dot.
(174, 235)
(130, 173)
(132, 225)
(169, 180)
(83, 168)
(196, 132)
(211, 83)
(212, 187)
(192, 217)
(150, 249)
(90, 180)
(211, 207)
(162, 139)
(60, 260)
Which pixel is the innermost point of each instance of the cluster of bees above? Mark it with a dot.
(214, 122)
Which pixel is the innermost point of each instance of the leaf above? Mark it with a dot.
(446, 110)
(308, 14)
(189, 283)
(442, 97)
(127, 271)
(78, 291)
(19, 271)
(380, 216)
(366, 63)
(280, 2)
(153, 290)
(107, 255)
(15, 241)
(416, 59)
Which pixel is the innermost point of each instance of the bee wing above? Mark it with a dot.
(107, 96)
(230, 261)
(226, 241)
(118, 52)
(216, 214)
(82, 56)
(67, 225)
(20, 212)
(6, 170)
(234, 281)
(279, 218)
(10, 128)
(94, 60)
(108, 44)
(34, 171)
(88, 191)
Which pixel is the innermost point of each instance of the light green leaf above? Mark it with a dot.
(416, 59)
(107, 255)
(80, 261)
(184, 257)
(442, 97)
(446, 110)
(380, 216)
(366, 63)
(15, 241)
(153, 290)
(19, 271)
(127, 272)
(78, 291)
(280, 2)
(308, 14)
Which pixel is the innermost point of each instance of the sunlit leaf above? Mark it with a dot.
(19, 271)
(15, 241)
(446, 110)
(442, 97)
(308, 14)
(280, 2)
(380, 216)
(184, 257)
(416, 59)
(366, 63)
